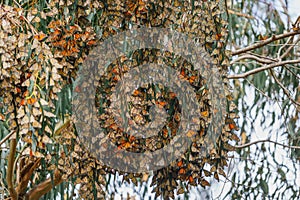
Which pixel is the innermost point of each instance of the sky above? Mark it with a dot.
(294, 9)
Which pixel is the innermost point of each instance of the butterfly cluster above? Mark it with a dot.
(204, 20)
(38, 61)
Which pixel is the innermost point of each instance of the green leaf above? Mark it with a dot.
(264, 186)
(281, 173)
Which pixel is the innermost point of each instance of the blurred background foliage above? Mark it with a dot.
(268, 101)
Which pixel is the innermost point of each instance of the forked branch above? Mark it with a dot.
(265, 42)
(266, 140)
(39, 190)
(263, 68)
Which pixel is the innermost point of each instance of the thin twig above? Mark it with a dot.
(266, 140)
(285, 90)
(264, 42)
(296, 75)
(286, 12)
(294, 67)
(240, 14)
(6, 137)
(260, 69)
(262, 56)
(253, 57)
(17, 4)
(289, 49)
(262, 92)
(284, 45)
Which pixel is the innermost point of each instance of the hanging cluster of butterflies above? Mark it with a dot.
(142, 100)
(32, 78)
(202, 20)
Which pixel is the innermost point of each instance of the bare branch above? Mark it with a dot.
(285, 90)
(286, 12)
(26, 174)
(296, 75)
(6, 137)
(289, 49)
(39, 190)
(266, 140)
(264, 42)
(240, 14)
(10, 168)
(260, 69)
(262, 56)
(253, 57)
(288, 42)
(262, 92)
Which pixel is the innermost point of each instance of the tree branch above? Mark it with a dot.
(253, 57)
(286, 12)
(296, 75)
(289, 49)
(10, 168)
(26, 174)
(288, 42)
(39, 190)
(265, 67)
(286, 92)
(266, 140)
(264, 42)
(240, 14)
(6, 137)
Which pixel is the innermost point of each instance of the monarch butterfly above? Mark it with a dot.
(23, 102)
(182, 171)
(40, 37)
(180, 163)
(31, 101)
(232, 126)
(204, 183)
(91, 42)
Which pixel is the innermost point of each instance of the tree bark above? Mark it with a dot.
(10, 168)
(44, 187)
